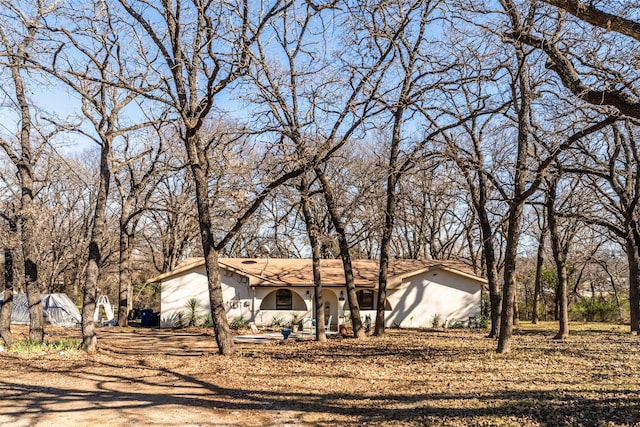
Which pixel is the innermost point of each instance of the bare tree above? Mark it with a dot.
(66, 195)
(18, 39)
(95, 38)
(136, 181)
(612, 73)
(170, 228)
(473, 168)
(525, 181)
(612, 173)
(199, 49)
(345, 253)
(305, 104)
(537, 291)
(8, 274)
(433, 219)
(313, 231)
(404, 28)
(603, 76)
(560, 245)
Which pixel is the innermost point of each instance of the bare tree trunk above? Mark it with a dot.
(89, 296)
(124, 282)
(224, 338)
(480, 201)
(34, 299)
(316, 255)
(5, 317)
(633, 258)
(321, 332)
(561, 268)
(23, 162)
(352, 297)
(490, 262)
(89, 337)
(538, 280)
(516, 312)
(27, 220)
(563, 302)
(521, 98)
(479, 198)
(515, 210)
(7, 303)
(559, 256)
(389, 219)
(195, 153)
(509, 287)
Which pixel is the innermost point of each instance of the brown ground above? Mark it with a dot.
(152, 377)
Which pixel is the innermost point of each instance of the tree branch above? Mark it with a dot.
(599, 18)
(565, 69)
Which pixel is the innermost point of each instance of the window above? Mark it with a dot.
(365, 300)
(284, 299)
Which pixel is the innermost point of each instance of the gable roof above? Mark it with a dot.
(299, 272)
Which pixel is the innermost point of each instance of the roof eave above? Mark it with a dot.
(395, 282)
(180, 270)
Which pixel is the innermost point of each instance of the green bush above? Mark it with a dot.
(277, 322)
(595, 309)
(239, 323)
(484, 322)
(179, 321)
(192, 313)
(207, 322)
(436, 321)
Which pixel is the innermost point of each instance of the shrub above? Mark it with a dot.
(595, 309)
(239, 323)
(436, 321)
(484, 321)
(277, 322)
(178, 320)
(192, 313)
(207, 322)
(458, 324)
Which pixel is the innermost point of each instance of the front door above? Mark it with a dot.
(330, 306)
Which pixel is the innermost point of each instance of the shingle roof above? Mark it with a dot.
(298, 272)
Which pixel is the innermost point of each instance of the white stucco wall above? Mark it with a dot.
(265, 298)
(177, 290)
(450, 296)
(239, 299)
(236, 295)
(413, 305)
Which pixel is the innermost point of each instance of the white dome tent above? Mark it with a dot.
(57, 309)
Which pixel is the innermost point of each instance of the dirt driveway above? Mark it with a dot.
(139, 377)
(143, 377)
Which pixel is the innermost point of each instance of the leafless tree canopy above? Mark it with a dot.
(137, 134)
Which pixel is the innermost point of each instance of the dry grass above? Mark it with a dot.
(406, 378)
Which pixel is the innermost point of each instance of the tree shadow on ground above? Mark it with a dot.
(154, 373)
(164, 386)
